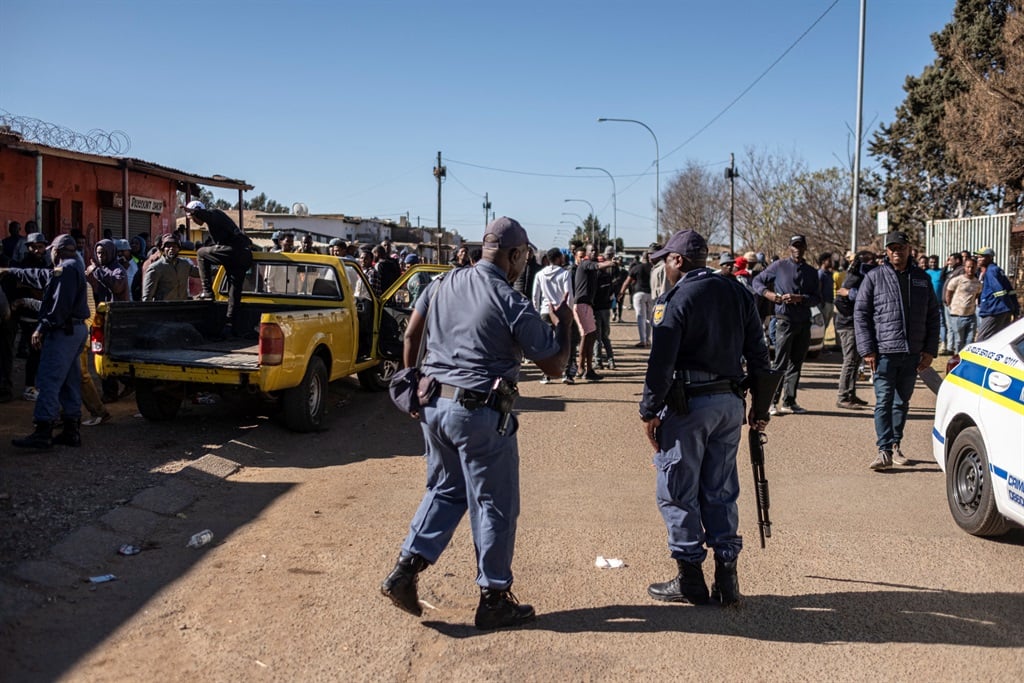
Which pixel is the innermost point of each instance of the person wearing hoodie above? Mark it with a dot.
(108, 278)
(551, 286)
(131, 266)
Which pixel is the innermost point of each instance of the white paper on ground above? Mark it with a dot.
(608, 563)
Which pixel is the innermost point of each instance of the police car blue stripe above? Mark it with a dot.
(972, 372)
(998, 471)
(938, 435)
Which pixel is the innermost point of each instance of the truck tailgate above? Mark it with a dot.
(230, 354)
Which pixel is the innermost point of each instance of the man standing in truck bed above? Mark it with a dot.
(231, 249)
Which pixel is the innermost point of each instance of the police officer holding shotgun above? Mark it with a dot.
(693, 413)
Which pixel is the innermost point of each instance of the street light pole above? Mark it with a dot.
(857, 135)
(657, 175)
(615, 209)
(582, 224)
(593, 218)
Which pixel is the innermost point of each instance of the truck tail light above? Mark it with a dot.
(97, 342)
(271, 344)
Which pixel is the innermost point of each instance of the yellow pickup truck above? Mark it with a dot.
(313, 319)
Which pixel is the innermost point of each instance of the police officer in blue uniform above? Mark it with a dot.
(60, 334)
(693, 414)
(478, 329)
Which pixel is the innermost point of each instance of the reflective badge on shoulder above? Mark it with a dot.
(659, 313)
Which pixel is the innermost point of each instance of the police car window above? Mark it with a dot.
(1018, 347)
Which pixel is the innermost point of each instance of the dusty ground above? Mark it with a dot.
(865, 576)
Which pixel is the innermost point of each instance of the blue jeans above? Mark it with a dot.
(697, 484)
(469, 468)
(59, 378)
(964, 327)
(895, 374)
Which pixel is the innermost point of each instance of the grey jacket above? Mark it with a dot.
(883, 326)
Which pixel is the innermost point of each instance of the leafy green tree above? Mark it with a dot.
(923, 178)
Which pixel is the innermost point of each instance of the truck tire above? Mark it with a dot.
(305, 406)
(969, 487)
(158, 401)
(378, 378)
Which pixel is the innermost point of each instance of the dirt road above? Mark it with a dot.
(865, 577)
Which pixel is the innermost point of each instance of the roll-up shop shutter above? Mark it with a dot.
(138, 222)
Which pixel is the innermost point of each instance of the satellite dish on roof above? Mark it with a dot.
(300, 209)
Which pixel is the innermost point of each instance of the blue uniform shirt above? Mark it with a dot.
(479, 328)
(704, 323)
(997, 295)
(786, 276)
(65, 297)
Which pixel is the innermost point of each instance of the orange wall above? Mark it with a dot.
(68, 180)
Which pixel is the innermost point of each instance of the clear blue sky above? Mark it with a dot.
(344, 104)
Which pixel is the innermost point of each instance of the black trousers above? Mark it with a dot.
(791, 343)
(236, 262)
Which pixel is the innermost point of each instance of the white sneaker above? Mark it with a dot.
(545, 380)
(781, 409)
(774, 410)
(30, 394)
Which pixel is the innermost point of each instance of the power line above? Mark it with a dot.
(755, 82)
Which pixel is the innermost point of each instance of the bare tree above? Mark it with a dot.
(764, 199)
(696, 199)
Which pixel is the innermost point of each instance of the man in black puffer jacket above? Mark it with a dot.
(896, 320)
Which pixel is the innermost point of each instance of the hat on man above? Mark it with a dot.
(726, 259)
(741, 263)
(686, 243)
(194, 205)
(797, 239)
(896, 237)
(169, 238)
(122, 245)
(412, 259)
(609, 250)
(985, 251)
(35, 238)
(505, 233)
(336, 242)
(64, 241)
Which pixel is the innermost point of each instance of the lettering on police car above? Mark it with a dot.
(998, 382)
(1015, 490)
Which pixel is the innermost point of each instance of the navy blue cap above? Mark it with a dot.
(688, 243)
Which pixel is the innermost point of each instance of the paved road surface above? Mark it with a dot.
(865, 577)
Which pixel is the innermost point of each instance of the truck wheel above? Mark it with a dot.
(969, 487)
(305, 406)
(378, 378)
(158, 402)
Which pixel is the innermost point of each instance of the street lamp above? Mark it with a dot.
(615, 209)
(657, 175)
(582, 225)
(593, 215)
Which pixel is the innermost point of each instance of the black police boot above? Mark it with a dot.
(70, 434)
(726, 588)
(499, 608)
(40, 439)
(400, 584)
(688, 586)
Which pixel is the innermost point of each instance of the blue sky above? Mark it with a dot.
(343, 105)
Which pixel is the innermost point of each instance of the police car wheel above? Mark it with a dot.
(305, 406)
(969, 487)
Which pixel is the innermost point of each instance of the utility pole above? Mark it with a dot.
(860, 110)
(731, 175)
(487, 208)
(439, 173)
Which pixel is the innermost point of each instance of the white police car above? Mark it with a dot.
(978, 435)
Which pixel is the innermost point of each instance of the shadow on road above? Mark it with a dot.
(925, 616)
